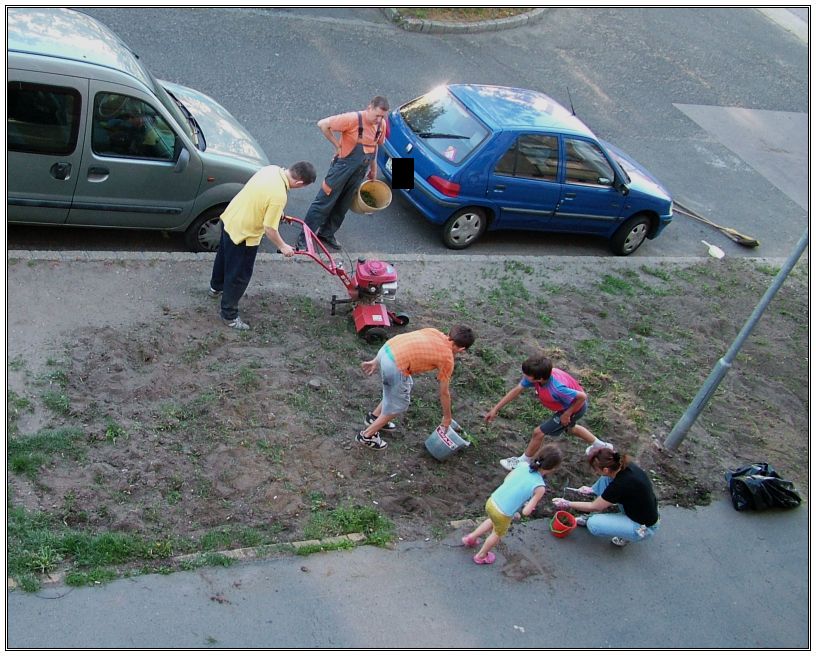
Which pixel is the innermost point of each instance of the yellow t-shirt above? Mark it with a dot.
(257, 206)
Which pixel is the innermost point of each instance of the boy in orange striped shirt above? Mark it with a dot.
(399, 359)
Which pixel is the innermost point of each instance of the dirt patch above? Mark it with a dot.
(461, 14)
(189, 427)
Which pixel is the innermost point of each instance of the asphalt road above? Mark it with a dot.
(711, 578)
(630, 72)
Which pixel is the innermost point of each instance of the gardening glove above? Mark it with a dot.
(561, 504)
(585, 489)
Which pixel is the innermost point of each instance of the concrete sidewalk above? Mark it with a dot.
(712, 578)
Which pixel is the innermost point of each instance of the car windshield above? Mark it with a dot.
(444, 124)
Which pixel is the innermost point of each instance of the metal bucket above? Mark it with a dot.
(379, 191)
(442, 445)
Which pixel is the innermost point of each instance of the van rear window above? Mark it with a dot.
(42, 118)
(444, 124)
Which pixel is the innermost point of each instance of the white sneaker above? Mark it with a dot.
(619, 542)
(510, 463)
(602, 445)
(237, 323)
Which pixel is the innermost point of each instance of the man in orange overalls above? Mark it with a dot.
(355, 155)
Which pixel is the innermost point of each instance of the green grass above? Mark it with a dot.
(350, 519)
(615, 285)
(94, 576)
(247, 378)
(16, 405)
(57, 402)
(328, 546)
(27, 453)
(231, 538)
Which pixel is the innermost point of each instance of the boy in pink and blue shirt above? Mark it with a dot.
(557, 391)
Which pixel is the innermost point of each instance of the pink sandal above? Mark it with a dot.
(488, 559)
(470, 542)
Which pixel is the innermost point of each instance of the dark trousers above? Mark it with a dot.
(327, 211)
(232, 271)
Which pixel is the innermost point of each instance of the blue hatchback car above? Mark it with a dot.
(499, 158)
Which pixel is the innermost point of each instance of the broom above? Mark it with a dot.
(733, 235)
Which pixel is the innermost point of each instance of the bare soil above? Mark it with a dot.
(190, 427)
(461, 14)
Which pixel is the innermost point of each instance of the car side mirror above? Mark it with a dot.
(604, 181)
(623, 190)
(182, 161)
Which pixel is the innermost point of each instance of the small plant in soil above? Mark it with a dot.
(369, 199)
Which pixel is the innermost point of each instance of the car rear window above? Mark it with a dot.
(445, 125)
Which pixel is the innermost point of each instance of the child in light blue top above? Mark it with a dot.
(524, 486)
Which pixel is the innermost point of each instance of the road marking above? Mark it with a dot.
(787, 20)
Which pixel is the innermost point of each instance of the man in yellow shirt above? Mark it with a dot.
(254, 212)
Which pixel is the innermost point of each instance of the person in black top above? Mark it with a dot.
(623, 483)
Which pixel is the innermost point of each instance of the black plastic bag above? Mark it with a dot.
(758, 486)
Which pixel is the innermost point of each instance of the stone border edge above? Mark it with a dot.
(443, 27)
(250, 553)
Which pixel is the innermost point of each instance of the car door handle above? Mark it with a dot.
(61, 170)
(97, 174)
(499, 187)
(569, 196)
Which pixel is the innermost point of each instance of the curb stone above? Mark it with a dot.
(245, 553)
(250, 553)
(445, 27)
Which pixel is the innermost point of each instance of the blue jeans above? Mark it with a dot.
(232, 271)
(617, 524)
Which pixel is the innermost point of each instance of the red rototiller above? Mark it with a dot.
(372, 284)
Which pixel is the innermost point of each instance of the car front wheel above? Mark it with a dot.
(204, 234)
(464, 228)
(631, 235)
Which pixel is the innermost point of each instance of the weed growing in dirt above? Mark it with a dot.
(113, 431)
(16, 364)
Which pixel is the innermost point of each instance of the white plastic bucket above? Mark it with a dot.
(442, 445)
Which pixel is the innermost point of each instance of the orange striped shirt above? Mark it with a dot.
(422, 350)
(347, 125)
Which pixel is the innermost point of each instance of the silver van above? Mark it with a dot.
(95, 140)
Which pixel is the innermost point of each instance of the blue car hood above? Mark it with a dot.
(641, 179)
(223, 133)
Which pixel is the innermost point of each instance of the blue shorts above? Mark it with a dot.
(396, 385)
(553, 425)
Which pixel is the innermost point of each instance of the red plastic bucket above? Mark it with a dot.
(562, 524)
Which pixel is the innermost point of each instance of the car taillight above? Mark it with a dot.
(445, 186)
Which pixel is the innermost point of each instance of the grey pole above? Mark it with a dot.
(682, 427)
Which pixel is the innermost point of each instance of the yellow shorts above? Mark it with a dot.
(501, 522)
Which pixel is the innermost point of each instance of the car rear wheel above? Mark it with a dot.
(204, 234)
(464, 228)
(631, 235)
